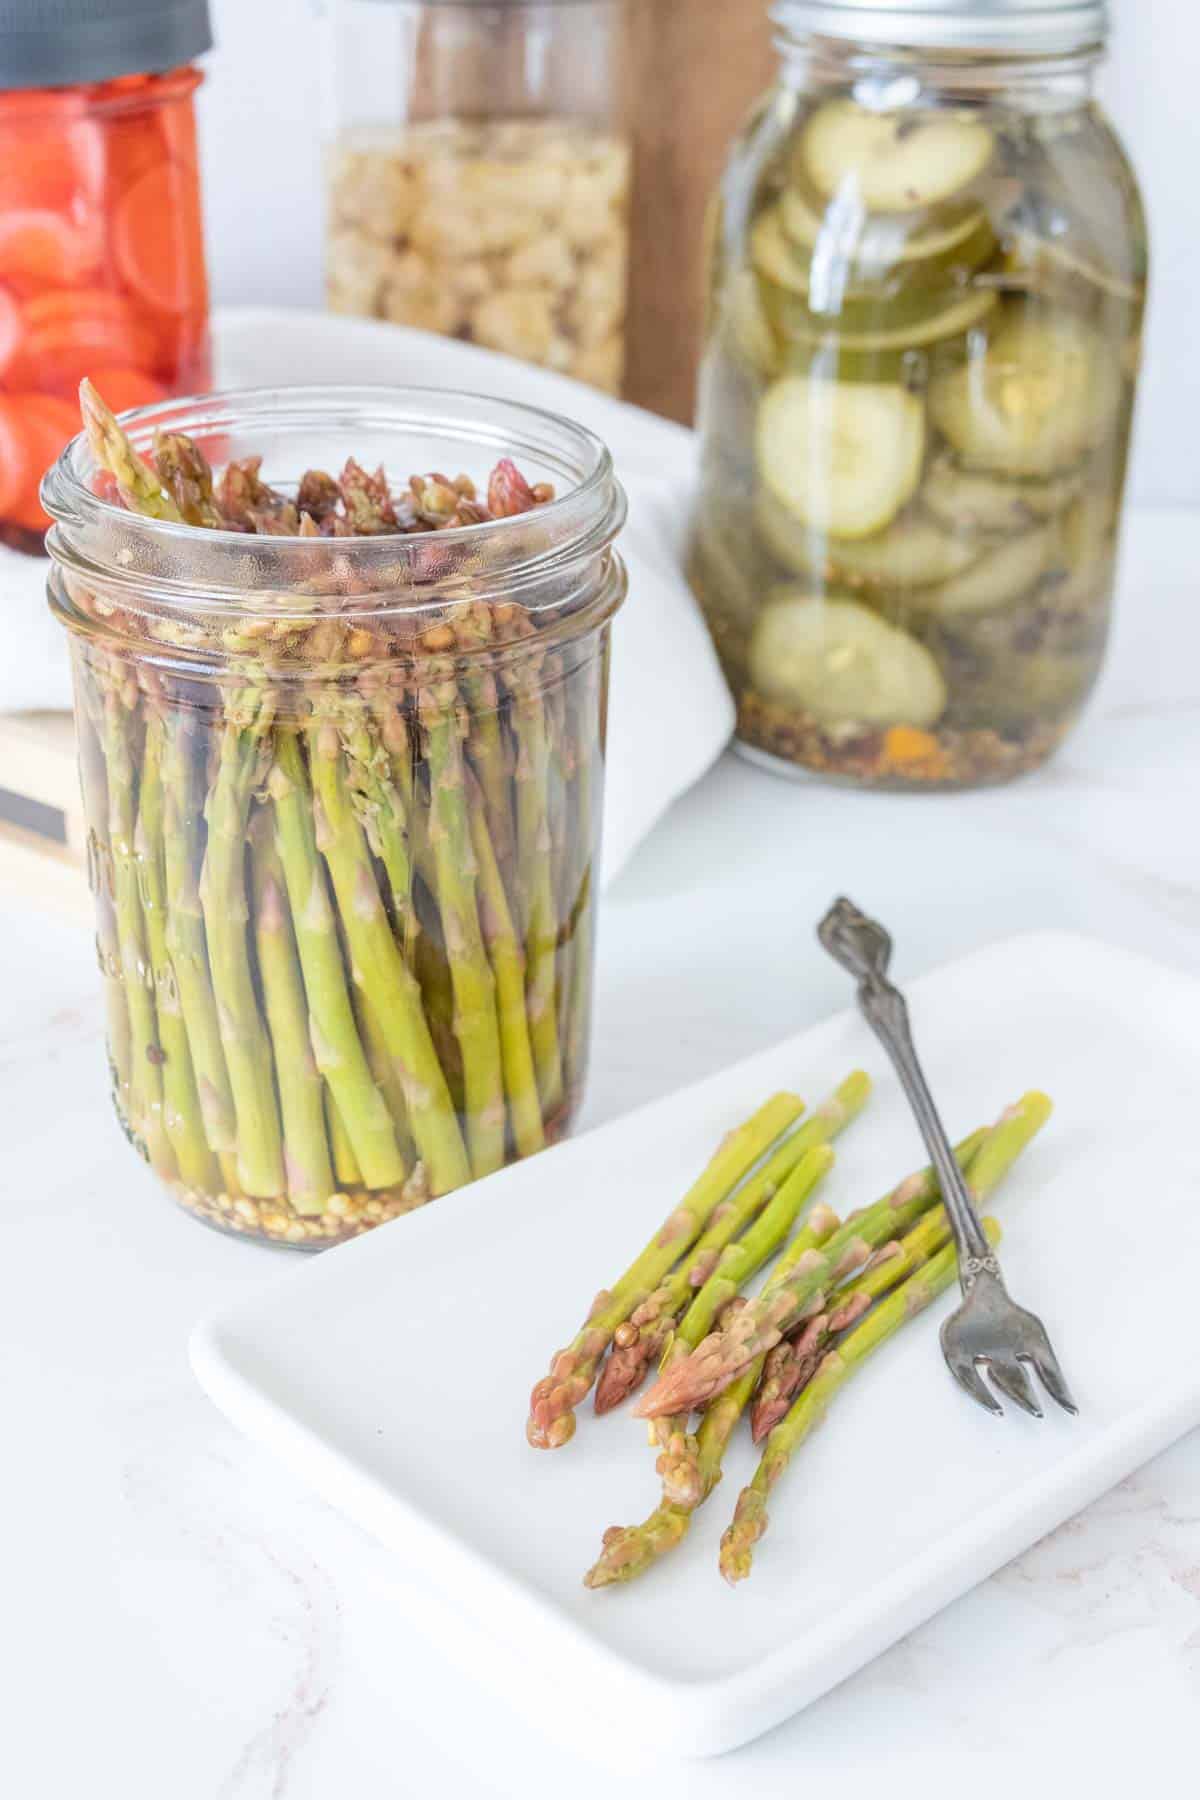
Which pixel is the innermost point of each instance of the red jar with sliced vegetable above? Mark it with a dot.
(102, 269)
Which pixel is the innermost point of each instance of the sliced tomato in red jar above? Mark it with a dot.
(12, 329)
(65, 341)
(125, 388)
(79, 303)
(40, 245)
(14, 457)
(51, 153)
(45, 424)
(157, 240)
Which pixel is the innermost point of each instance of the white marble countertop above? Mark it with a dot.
(180, 1619)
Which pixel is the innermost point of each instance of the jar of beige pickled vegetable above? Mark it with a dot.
(342, 788)
(927, 285)
(478, 174)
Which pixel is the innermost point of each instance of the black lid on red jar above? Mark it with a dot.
(56, 43)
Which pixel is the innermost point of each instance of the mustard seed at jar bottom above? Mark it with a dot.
(927, 289)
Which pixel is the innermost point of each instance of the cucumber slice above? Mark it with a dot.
(826, 359)
(914, 551)
(841, 457)
(843, 663)
(833, 302)
(1087, 549)
(893, 162)
(749, 332)
(1046, 391)
(791, 317)
(996, 580)
(972, 502)
(893, 248)
(882, 242)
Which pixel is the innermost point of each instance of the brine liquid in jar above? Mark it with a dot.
(928, 288)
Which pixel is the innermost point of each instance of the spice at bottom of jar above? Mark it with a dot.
(346, 1214)
(902, 758)
(512, 234)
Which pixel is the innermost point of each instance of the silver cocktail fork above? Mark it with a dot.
(989, 1328)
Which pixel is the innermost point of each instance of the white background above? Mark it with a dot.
(260, 122)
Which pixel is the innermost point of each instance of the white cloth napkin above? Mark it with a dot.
(670, 712)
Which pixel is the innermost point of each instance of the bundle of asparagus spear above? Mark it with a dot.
(342, 851)
(835, 1293)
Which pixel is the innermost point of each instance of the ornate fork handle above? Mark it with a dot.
(863, 947)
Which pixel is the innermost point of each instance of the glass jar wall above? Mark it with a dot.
(102, 269)
(927, 287)
(343, 796)
(479, 171)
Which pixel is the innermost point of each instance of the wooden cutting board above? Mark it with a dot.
(699, 66)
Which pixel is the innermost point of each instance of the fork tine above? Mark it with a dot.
(967, 1375)
(1046, 1364)
(1012, 1380)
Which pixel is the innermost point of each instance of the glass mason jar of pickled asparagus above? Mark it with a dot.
(343, 787)
(479, 164)
(927, 283)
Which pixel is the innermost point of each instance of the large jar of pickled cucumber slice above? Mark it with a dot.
(928, 274)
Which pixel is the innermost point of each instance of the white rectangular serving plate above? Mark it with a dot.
(393, 1374)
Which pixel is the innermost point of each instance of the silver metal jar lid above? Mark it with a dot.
(1032, 27)
(71, 41)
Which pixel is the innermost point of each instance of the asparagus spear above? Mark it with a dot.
(310, 1180)
(186, 943)
(508, 969)
(345, 1163)
(913, 1296)
(380, 969)
(334, 1032)
(486, 747)
(93, 781)
(690, 1466)
(241, 764)
(475, 1024)
(535, 877)
(717, 1361)
(140, 487)
(793, 1362)
(185, 475)
(639, 1341)
(686, 1457)
(182, 1117)
(378, 803)
(551, 1417)
(145, 1075)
